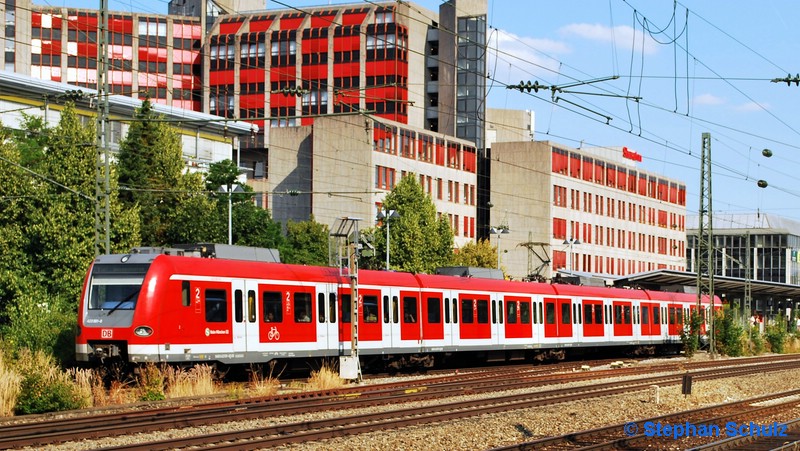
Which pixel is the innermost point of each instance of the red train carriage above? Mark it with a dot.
(167, 308)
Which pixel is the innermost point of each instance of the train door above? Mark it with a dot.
(327, 317)
(369, 317)
(450, 317)
(675, 319)
(245, 317)
(410, 328)
(593, 318)
(623, 323)
(475, 316)
(557, 318)
(518, 317)
(432, 318)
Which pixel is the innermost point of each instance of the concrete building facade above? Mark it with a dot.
(588, 211)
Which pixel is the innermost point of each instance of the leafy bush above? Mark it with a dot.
(728, 333)
(44, 387)
(690, 334)
(756, 340)
(151, 383)
(775, 333)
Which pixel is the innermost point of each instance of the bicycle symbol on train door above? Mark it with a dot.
(273, 334)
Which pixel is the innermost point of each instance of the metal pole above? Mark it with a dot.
(230, 216)
(498, 251)
(387, 240)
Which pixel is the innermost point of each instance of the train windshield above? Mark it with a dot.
(116, 287)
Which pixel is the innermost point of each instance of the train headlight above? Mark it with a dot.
(143, 331)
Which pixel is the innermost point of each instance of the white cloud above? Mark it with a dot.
(751, 106)
(708, 99)
(622, 36)
(513, 58)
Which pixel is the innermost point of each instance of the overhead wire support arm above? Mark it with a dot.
(607, 118)
(788, 80)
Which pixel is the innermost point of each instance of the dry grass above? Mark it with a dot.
(196, 381)
(10, 382)
(792, 344)
(84, 381)
(261, 385)
(325, 378)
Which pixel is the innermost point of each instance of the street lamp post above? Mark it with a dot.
(498, 231)
(230, 189)
(570, 242)
(387, 215)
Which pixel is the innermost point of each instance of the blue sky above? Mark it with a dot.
(702, 66)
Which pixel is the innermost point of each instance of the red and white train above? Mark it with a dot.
(150, 307)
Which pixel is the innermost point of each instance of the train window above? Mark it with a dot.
(656, 318)
(216, 306)
(186, 299)
(238, 306)
(598, 314)
(574, 313)
(434, 310)
(565, 317)
(512, 312)
(271, 302)
(332, 307)
(550, 311)
(395, 309)
(525, 312)
(466, 311)
(645, 315)
(386, 309)
(447, 310)
(626, 313)
(587, 313)
(455, 312)
(617, 314)
(494, 311)
(500, 311)
(672, 315)
(409, 309)
(370, 309)
(251, 306)
(302, 307)
(321, 307)
(483, 311)
(541, 316)
(346, 304)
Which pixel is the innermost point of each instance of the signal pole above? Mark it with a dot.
(102, 216)
(704, 256)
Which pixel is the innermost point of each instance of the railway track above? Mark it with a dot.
(440, 388)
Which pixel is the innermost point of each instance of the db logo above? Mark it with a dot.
(106, 333)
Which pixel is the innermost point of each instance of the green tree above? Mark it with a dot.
(306, 243)
(729, 333)
(49, 177)
(419, 241)
(480, 254)
(150, 169)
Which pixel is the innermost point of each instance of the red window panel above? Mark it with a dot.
(51, 48)
(152, 54)
(280, 100)
(599, 172)
(673, 193)
(611, 176)
(225, 77)
(559, 228)
(322, 21)
(315, 45)
(291, 21)
(662, 218)
(588, 169)
(229, 27)
(315, 72)
(642, 185)
(260, 25)
(251, 75)
(682, 195)
(354, 17)
(87, 49)
(575, 166)
(125, 26)
(631, 181)
(250, 102)
(439, 153)
(36, 20)
(345, 70)
(622, 179)
(472, 227)
(118, 77)
(470, 160)
(663, 190)
(345, 43)
(560, 161)
(559, 259)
